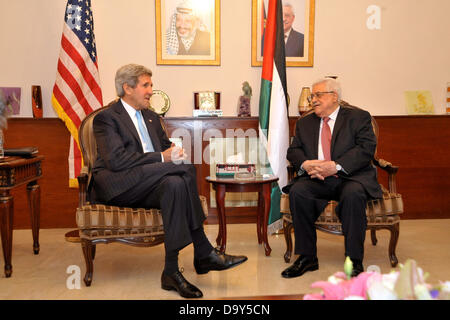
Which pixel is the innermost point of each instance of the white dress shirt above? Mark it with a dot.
(286, 35)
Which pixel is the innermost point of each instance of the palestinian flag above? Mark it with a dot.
(273, 107)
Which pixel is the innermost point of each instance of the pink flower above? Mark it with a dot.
(408, 283)
(314, 296)
(342, 289)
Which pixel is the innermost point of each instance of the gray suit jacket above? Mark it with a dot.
(120, 157)
(353, 146)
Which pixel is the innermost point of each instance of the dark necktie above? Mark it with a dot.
(326, 139)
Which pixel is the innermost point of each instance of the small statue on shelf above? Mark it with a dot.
(36, 101)
(244, 100)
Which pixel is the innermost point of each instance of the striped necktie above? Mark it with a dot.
(147, 142)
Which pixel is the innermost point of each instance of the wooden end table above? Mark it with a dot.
(258, 184)
(16, 171)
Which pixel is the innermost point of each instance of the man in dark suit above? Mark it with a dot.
(138, 166)
(331, 151)
(294, 40)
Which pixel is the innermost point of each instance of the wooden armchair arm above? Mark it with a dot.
(291, 172)
(390, 169)
(82, 186)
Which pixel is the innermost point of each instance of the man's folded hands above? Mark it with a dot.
(319, 169)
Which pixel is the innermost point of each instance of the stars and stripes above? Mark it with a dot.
(77, 90)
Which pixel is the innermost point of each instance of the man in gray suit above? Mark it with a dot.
(136, 167)
(332, 152)
(293, 40)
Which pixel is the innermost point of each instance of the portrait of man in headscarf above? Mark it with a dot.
(186, 33)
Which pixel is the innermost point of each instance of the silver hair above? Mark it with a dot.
(331, 85)
(287, 4)
(129, 74)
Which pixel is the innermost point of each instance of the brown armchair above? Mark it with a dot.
(98, 223)
(381, 213)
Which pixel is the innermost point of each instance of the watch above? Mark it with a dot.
(338, 167)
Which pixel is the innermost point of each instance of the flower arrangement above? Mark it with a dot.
(408, 283)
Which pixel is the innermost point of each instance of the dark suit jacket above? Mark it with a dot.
(295, 44)
(353, 146)
(120, 158)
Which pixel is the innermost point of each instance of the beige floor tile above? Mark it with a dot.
(126, 272)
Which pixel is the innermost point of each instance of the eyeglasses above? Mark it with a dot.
(318, 95)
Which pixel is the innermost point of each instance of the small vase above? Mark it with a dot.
(303, 103)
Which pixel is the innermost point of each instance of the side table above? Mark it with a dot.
(16, 171)
(258, 184)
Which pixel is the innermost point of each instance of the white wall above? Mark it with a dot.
(410, 52)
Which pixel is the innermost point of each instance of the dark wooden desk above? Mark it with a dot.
(15, 171)
(260, 185)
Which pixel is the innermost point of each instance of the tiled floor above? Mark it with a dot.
(125, 272)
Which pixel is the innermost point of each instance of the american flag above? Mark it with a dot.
(77, 91)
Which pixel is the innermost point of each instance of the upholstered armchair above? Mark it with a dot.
(381, 213)
(98, 223)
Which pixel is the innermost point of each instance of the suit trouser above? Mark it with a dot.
(176, 195)
(309, 197)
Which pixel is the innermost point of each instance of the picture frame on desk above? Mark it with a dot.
(207, 100)
(187, 32)
(300, 42)
(207, 104)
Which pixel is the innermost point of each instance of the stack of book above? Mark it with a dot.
(228, 170)
(207, 113)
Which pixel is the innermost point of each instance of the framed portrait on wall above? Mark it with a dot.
(298, 23)
(187, 32)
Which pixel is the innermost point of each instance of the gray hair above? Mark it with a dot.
(287, 4)
(129, 74)
(331, 85)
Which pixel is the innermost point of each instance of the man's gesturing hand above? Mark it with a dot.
(173, 154)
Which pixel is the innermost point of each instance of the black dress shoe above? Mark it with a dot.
(357, 267)
(217, 260)
(177, 282)
(300, 266)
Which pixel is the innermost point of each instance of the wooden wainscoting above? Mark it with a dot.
(417, 144)
(58, 201)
